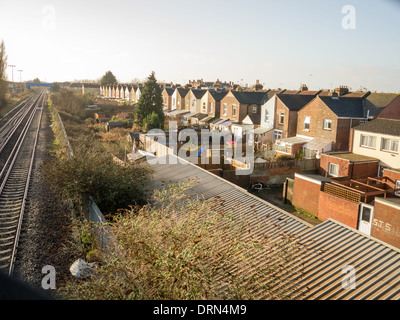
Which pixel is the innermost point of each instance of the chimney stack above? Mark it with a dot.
(303, 87)
(342, 90)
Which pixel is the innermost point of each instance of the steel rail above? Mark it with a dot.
(16, 145)
(17, 179)
(28, 180)
(14, 126)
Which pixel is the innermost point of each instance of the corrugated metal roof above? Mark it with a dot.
(315, 268)
(334, 245)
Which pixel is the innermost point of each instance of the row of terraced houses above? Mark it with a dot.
(355, 139)
(355, 136)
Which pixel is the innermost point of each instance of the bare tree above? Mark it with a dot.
(3, 75)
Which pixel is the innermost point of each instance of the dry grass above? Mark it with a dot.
(180, 247)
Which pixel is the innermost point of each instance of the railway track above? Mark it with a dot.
(18, 140)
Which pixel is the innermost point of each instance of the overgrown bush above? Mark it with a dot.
(93, 171)
(181, 247)
(72, 102)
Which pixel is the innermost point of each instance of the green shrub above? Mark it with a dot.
(93, 171)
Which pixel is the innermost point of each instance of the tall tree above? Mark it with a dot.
(108, 79)
(3, 74)
(149, 108)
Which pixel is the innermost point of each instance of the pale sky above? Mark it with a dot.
(281, 43)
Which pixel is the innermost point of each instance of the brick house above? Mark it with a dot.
(167, 97)
(329, 119)
(133, 94)
(181, 95)
(286, 109)
(236, 105)
(214, 102)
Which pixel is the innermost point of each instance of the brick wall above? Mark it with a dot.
(167, 99)
(280, 107)
(306, 195)
(273, 175)
(365, 169)
(338, 209)
(358, 170)
(386, 223)
(317, 111)
(241, 110)
(393, 175)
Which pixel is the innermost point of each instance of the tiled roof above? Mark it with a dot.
(294, 102)
(250, 97)
(170, 91)
(290, 91)
(218, 95)
(182, 92)
(199, 93)
(375, 102)
(345, 107)
(383, 126)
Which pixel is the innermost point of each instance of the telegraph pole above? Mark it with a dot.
(12, 68)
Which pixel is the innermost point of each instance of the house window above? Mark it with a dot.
(233, 110)
(277, 135)
(178, 102)
(266, 116)
(390, 145)
(187, 102)
(173, 101)
(281, 117)
(309, 153)
(397, 193)
(368, 141)
(333, 170)
(288, 148)
(306, 124)
(327, 124)
(211, 107)
(225, 109)
(204, 107)
(255, 109)
(194, 103)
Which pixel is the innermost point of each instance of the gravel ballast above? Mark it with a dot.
(46, 236)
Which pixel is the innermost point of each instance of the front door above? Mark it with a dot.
(365, 218)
